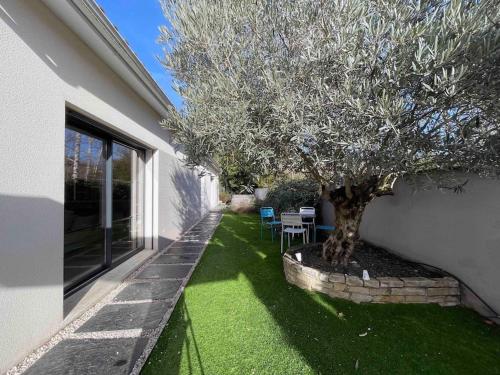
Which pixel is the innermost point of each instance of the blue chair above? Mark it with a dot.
(267, 218)
(326, 228)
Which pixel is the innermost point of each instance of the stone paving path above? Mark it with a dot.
(117, 335)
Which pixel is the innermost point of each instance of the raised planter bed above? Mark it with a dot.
(432, 288)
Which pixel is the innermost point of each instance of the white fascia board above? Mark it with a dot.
(87, 20)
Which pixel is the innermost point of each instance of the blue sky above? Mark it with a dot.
(138, 21)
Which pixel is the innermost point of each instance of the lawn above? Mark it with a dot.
(238, 315)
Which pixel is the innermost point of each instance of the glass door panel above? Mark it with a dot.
(128, 193)
(84, 244)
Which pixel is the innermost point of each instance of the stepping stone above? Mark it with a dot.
(90, 356)
(188, 244)
(164, 271)
(193, 241)
(126, 316)
(149, 290)
(184, 250)
(174, 259)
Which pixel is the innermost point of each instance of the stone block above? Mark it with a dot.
(337, 278)
(338, 294)
(443, 292)
(290, 278)
(449, 300)
(388, 299)
(290, 272)
(320, 286)
(415, 299)
(155, 290)
(175, 259)
(117, 317)
(323, 276)
(287, 261)
(372, 283)
(380, 291)
(311, 272)
(353, 280)
(358, 298)
(164, 271)
(435, 299)
(406, 291)
(446, 282)
(390, 282)
(359, 290)
(85, 356)
(418, 282)
(302, 284)
(339, 287)
(296, 267)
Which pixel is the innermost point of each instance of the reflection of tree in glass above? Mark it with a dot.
(79, 149)
(122, 161)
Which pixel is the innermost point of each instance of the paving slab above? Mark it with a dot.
(187, 245)
(184, 250)
(155, 290)
(126, 316)
(176, 259)
(164, 271)
(117, 335)
(90, 357)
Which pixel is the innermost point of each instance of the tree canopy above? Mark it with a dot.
(342, 89)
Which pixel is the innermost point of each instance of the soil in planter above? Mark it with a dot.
(379, 262)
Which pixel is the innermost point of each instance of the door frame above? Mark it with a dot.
(81, 123)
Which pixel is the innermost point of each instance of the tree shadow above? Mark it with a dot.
(323, 332)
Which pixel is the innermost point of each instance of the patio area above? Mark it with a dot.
(239, 315)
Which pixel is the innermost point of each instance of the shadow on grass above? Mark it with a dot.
(244, 317)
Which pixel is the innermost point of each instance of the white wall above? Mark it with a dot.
(459, 233)
(45, 68)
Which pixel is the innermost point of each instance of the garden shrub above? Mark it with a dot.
(224, 197)
(291, 195)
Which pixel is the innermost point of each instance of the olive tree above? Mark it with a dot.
(355, 93)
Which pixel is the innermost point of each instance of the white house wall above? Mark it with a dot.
(44, 69)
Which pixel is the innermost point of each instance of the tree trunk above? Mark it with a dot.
(341, 244)
(89, 157)
(349, 203)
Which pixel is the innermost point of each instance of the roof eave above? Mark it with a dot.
(88, 21)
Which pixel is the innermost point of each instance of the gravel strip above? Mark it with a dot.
(137, 301)
(68, 332)
(157, 332)
(121, 334)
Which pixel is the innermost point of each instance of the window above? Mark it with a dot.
(104, 200)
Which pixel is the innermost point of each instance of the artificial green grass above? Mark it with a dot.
(238, 315)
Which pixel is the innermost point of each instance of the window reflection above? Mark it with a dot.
(127, 200)
(83, 208)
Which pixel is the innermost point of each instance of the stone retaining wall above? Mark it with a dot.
(444, 291)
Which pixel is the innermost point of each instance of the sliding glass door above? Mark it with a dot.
(84, 252)
(104, 202)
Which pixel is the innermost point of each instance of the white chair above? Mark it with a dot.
(308, 213)
(291, 224)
